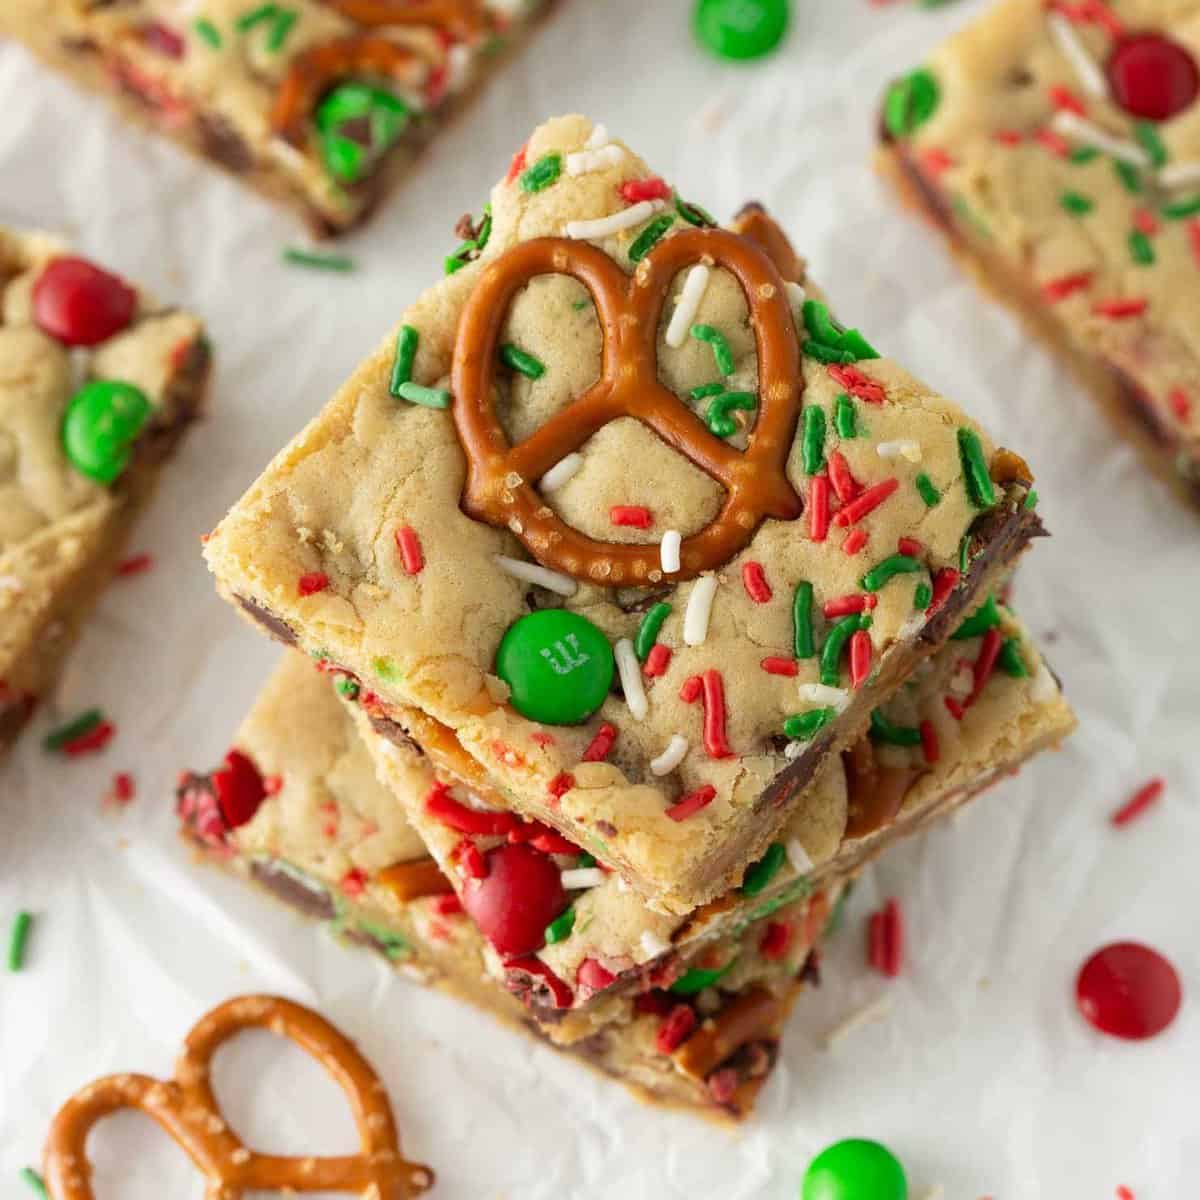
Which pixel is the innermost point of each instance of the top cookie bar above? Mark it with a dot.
(1058, 144)
(320, 104)
(645, 562)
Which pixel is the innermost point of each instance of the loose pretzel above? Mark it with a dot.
(462, 18)
(500, 476)
(186, 1108)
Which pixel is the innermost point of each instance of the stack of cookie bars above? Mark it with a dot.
(633, 603)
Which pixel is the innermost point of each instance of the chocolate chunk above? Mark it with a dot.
(277, 628)
(223, 144)
(395, 733)
(288, 888)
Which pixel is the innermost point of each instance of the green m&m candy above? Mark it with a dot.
(856, 1169)
(741, 28)
(357, 124)
(558, 665)
(101, 424)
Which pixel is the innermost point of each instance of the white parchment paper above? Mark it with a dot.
(982, 1077)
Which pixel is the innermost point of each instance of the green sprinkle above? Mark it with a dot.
(650, 236)
(56, 739)
(889, 568)
(928, 490)
(1127, 173)
(964, 553)
(975, 472)
(1181, 209)
(386, 670)
(693, 214)
(762, 872)
(392, 944)
(1083, 154)
(910, 102)
(717, 416)
(649, 630)
(485, 229)
(407, 341)
(517, 359)
(707, 389)
(1010, 660)
(979, 622)
(585, 860)
(321, 262)
(1141, 248)
(580, 305)
(831, 652)
(833, 337)
(827, 354)
(858, 345)
(426, 397)
(720, 347)
(697, 979)
(795, 890)
(883, 730)
(804, 727)
(346, 687)
(813, 441)
(542, 174)
(820, 324)
(560, 928)
(17, 938)
(1149, 140)
(206, 30)
(1076, 202)
(281, 29)
(456, 261)
(29, 1176)
(1031, 499)
(922, 597)
(803, 642)
(844, 419)
(264, 12)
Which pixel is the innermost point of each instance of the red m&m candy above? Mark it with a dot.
(1153, 77)
(240, 789)
(79, 304)
(1128, 991)
(520, 895)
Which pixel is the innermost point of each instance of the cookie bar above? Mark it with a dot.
(966, 718)
(646, 563)
(321, 105)
(97, 384)
(1057, 147)
(297, 808)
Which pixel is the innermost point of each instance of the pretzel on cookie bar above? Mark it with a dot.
(186, 1108)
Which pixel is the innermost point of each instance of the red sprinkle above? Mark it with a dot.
(411, 554)
(929, 742)
(135, 564)
(818, 508)
(550, 841)
(954, 708)
(447, 905)
(561, 784)
(944, 582)
(935, 161)
(1065, 100)
(715, 741)
(1193, 228)
(911, 547)
(885, 940)
(1180, 405)
(676, 1029)
(754, 579)
(559, 992)
(1054, 142)
(775, 941)
(845, 486)
(443, 807)
(635, 190)
(123, 788)
(858, 384)
(593, 974)
(1144, 221)
(985, 664)
(860, 657)
(91, 742)
(166, 41)
(1142, 799)
(541, 739)
(780, 666)
(843, 606)
(692, 803)
(632, 515)
(469, 859)
(354, 882)
(1120, 308)
(657, 660)
(1123, 1193)
(1009, 137)
(517, 165)
(272, 785)
(856, 539)
(1066, 285)
(315, 581)
(868, 502)
(601, 744)
(689, 693)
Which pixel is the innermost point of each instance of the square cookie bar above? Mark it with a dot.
(296, 807)
(624, 471)
(97, 384)
(321, 105)
(575, 941)
(1057, 147)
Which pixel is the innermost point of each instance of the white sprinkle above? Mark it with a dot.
(793, 750)
(904, 448)
(1073, 125)
(630, 671)
(1074, 51)
(584, 162)
(553, 581)
(564, 469)
(688, 305)
(798, 856)
(875, 1011)
(653, 945)
(796, 294)
(671, 757)
(1044, 688)
(1180, 174)
(911, 627)
(597, 138)
(699, 610)
(668, 551)
(627, 218)
(579, 878)
(822, 694)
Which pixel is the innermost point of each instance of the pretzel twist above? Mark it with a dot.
(500, 476)
(187, 1110)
